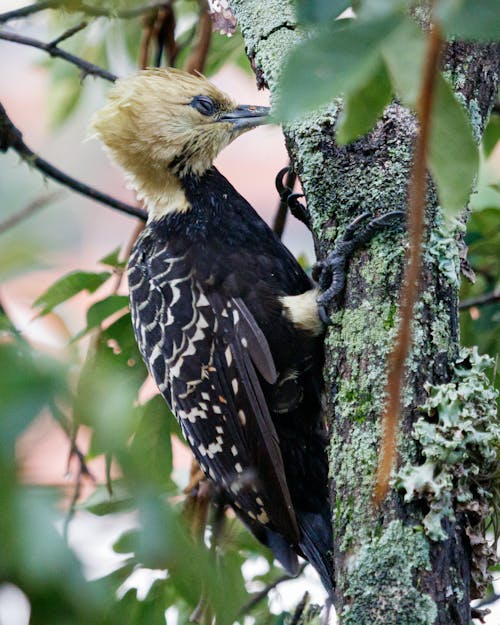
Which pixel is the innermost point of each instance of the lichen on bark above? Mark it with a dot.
(459, 433)
(392, 558)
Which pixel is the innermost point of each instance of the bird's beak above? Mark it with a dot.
(244, 117)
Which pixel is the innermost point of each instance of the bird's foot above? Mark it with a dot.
(291, 199)
(330, 274)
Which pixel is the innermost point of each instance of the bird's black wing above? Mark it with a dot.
(206, 357)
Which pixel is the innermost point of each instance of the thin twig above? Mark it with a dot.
(480, 300)
(30, 208)
(67, 34)
(198, 55)
(488, 600)
(28, 10)
(262, 594)
(148, 21)
(87, 68)
(11, 138)
(82, 472)
(299, 610)
(158, 31)
(168, 39)
(412, 277)
(71, 431)
(478, 614)
(124, 14)
(82, 7)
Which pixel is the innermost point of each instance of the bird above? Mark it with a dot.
(228, 323)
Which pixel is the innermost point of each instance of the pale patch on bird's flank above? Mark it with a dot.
(302, 311)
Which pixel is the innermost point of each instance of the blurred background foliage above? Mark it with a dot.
(100, 384)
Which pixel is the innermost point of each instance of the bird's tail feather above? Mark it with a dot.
(316, 543)
(283, 552)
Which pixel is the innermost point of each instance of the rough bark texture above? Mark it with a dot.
(388, 570)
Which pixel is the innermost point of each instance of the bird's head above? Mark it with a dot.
(169, 121)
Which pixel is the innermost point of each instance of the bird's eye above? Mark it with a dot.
(204, 105)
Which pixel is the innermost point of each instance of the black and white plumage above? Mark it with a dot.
(226, 321)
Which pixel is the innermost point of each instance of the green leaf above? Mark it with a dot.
(403, 53)
(369, 9)
(338, 60)
(108, 387)
(127, 542)
(470, 19)
(113, 259)
(165, 540)
(453, 153)
(491, 134)
(362, 107)
(486, 194)
(320, 11)
(152, 440)
(101, 310)
(36, 556)
(100, 502)
(29, 382)
(69, 286)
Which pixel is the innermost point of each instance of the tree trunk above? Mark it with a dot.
(410, 562)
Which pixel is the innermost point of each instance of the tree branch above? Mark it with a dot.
(11, 138)
(28, 210)
(67, 34)
(71, 432)
(82, 7)
(412, 274)
(262, 594)
(168, 39)
(163, 28)
(481, 300)
(86, 67)
(198, 55)
(28, 10)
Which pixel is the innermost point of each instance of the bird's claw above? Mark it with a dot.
(283, 190)
(298, 210)
(330, 274)
(323, 314)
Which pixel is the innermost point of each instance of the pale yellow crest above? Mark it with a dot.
(152, 131)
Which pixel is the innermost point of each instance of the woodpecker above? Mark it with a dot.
(225, 318)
